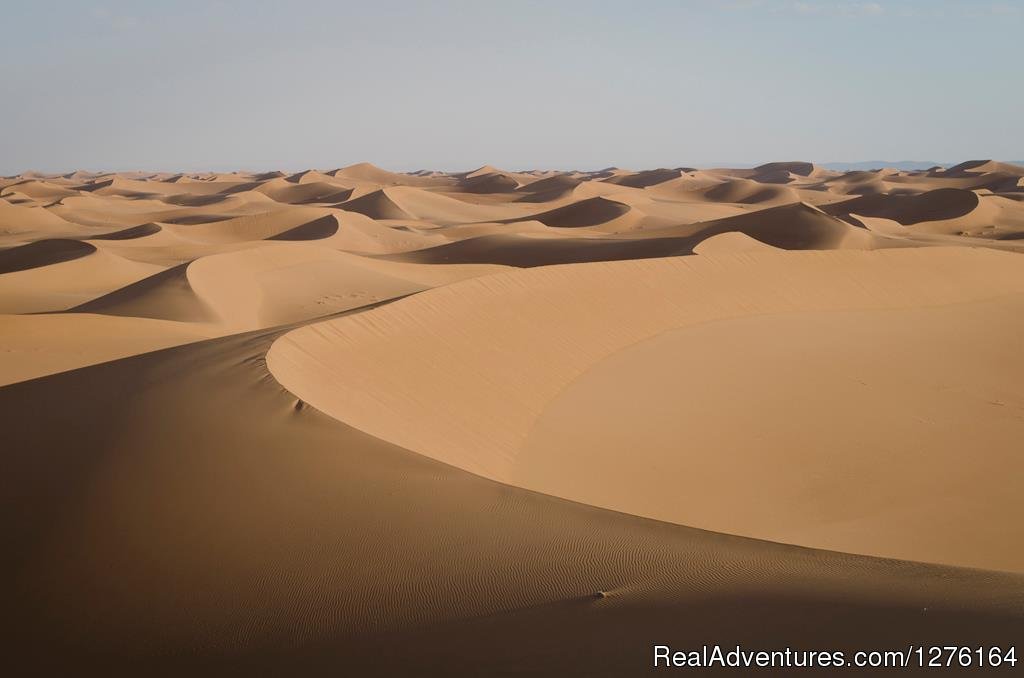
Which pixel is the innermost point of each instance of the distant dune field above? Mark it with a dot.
(358, 422)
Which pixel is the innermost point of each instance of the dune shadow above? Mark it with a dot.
(43, 253)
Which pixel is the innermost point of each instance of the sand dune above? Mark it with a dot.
(125, 243)
(982, 167)
(360, 234)
(377, 205)
(644, 179)
(22, 224)
(38, 345)
(37, 190)
(130, 233)
(784, 172)
(42, 253)
(549, 188)
(586, 212)
(271, 285)
(301, 222)
(525, 250)
(793, 226)
(504, 422)
(938, 205)
(482, 398)
(489, 182)
(118, 186)
(367, 173)
(301, 192)
(266, 286)
(60, 285)
(167, 295)
(334, 548)
(101, 214)
(750, 192)
(731, 242)
(410, 203)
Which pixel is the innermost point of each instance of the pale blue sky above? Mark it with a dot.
(518, 84)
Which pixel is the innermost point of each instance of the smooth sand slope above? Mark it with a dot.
(883, 368)
(180, 513)
(34, 345)
(358, 422)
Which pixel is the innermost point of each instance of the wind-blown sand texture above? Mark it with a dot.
(357, 422)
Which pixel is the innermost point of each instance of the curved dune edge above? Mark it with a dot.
(42, 253)
(37, 345)
(220, 530)
(251, 288)
(65, 284)
(271, 283)
(463, 374)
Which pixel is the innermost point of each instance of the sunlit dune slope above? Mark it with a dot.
(824, 398)
(180, 513)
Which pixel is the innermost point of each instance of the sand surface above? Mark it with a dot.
(358, 422)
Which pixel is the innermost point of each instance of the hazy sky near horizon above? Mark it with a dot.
(519, 84)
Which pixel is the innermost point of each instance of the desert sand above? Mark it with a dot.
(360, 422)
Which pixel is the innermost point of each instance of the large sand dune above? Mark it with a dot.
(521, 378)
(360, 422)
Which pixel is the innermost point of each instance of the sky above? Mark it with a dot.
(192, 86)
